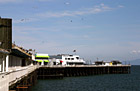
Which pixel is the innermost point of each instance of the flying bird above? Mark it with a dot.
(22, 19)
(67, 3)
(35, 7)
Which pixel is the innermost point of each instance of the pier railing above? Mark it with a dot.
(13, 75)
(20, 72)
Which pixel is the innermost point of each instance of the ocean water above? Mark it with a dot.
(108, 82)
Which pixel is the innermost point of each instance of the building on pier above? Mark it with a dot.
(66, 59)
(42, 59)
(55, 59)
(103, 63)
(19, 57)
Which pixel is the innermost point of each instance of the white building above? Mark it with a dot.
(66, 59)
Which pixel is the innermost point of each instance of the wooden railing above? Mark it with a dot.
(20, 72)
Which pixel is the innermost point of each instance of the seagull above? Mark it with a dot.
(35, 7)
(22, 19)
(67, 3)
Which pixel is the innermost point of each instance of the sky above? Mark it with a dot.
(103, 29)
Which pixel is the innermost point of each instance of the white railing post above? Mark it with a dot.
(7, 62)
(0, 68)
(3, 65)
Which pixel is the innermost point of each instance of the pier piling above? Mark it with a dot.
(60, 72)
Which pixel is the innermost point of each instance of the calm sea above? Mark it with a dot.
(111, 82)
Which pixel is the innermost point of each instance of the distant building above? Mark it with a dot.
(42, 59)
(114, 62)
(99, 63)
(66, 59)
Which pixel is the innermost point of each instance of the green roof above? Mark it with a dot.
(42, 60)
(46, 60)
(39, 60)
(42, 55)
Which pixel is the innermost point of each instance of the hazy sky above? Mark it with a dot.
(107, 29)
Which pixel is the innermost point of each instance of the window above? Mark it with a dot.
(68, 58)
(77, 57)
(72, 58)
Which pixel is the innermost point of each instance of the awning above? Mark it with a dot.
(18, 53)
(4, 51)
(39, 60)
(42, 60)
(46, 60)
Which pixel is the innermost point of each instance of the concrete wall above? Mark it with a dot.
(6, 33)
(4, 82)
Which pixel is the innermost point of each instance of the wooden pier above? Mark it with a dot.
(46, 72)
(27, 80)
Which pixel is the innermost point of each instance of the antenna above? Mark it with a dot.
(74, 51)
(97, 58)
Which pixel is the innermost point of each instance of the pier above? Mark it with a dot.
(46, 72)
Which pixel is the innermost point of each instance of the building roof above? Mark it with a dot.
(55, 56)
(19, 51)
(4, 51)
(42, 55)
